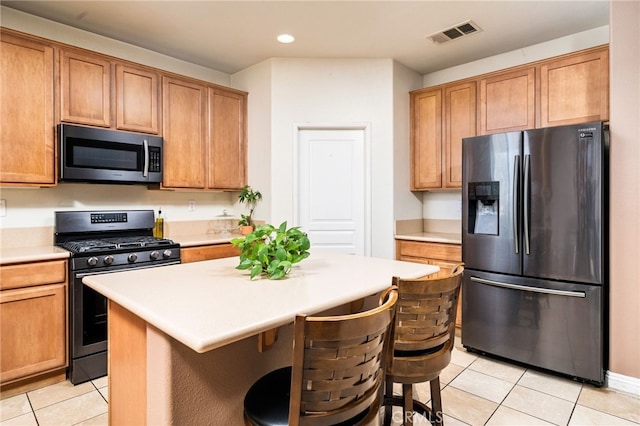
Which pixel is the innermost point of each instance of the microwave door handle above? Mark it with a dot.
(145, 170)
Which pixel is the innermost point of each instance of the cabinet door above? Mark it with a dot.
(227, 147)
(27, 132)
(575, 89)
(507, 101)
(426, 139)
(85, 88)
(184, 119)
(136, 99)
(460, 122)
(33, 326)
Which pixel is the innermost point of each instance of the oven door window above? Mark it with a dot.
(94, 154)
(94, 317)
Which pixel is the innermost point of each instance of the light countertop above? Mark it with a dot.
(431, 237)
(31, 254)
(206, 305)
(10, 255)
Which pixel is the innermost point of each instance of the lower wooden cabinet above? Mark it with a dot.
(445, 256)
(200, 253)
(33, 320)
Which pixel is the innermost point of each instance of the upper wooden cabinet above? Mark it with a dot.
(227, 147)
(137, 99)
(85, 88)
(184, 124)
(460, 122)
(88, 84)
(567, 89)
(426, 139)
(575, 89)
(27, 132)
(204, 132)
(440, 118)
(507, 101)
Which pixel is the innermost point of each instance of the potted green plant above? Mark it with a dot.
(272, 251)
(250, 197)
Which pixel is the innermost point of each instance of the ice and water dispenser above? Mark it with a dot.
(484, 202)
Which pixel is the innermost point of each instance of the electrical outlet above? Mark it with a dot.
(192, 205)
(3, 208)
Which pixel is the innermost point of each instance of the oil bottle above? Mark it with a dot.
(158, 229)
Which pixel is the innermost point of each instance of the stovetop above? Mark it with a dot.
(104, 241)
(109, 244)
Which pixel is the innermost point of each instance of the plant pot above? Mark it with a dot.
(246, 229)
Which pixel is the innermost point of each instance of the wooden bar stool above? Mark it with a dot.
(337, 373)
(424, 332)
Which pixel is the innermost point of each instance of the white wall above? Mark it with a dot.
(35, 207)
(625, 194)
(293, 92)
(258, 82)
(406, 204)
(536, 52)
(446, 204)
(30, 24)
(320, 92)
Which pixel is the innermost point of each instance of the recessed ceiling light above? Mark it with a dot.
(286, 38)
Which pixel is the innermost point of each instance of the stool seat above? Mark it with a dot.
(423, 338)
(267, 401)
(337, 373)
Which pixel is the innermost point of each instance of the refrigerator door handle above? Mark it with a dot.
(515, 203)
(527, 198)
(532, 289)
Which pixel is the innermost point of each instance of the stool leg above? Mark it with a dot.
(388, 394)
(407, 393)
(436, 401)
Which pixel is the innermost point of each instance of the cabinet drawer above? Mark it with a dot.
(29, 274)
(450, 252)
(197, 254)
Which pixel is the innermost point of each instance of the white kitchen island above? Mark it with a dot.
(181, 338)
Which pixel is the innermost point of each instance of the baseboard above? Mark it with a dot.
(623, 383)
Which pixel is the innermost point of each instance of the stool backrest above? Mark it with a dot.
(338, 365)
(426, 310)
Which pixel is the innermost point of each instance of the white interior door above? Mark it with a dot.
(332, 188)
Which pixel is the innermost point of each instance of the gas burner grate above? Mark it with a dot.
(115, 243)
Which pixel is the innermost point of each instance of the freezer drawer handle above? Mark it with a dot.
(527, 288)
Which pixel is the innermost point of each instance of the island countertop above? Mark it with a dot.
(206, 305)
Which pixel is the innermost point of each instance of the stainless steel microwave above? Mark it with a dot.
(89, 154)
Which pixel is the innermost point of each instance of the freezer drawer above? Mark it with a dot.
(552, 325)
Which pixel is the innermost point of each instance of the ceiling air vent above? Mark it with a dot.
(463, 29)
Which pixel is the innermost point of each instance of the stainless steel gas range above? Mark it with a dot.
(102, 242)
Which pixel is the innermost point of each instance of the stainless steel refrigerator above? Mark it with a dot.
(534, 244)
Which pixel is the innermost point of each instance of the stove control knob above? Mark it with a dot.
(108, 260)
(132, 257)
(166, 254)
(92, 261)
(154, 255)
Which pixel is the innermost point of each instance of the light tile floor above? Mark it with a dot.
(475, 391)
